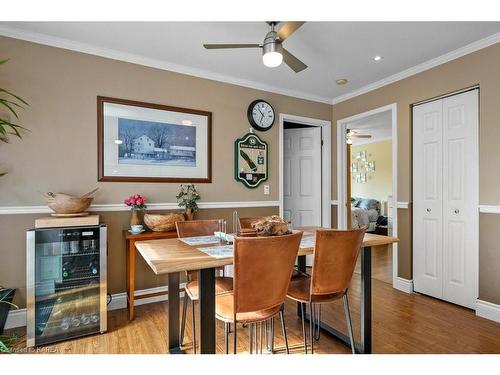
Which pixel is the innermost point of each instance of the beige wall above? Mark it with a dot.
(481, 67)
(60, 152)
(378, 183)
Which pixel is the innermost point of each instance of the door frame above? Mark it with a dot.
(326, 156)
(342, 174)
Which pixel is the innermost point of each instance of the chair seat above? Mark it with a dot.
(222, 285)
(300, 291)
(224, 310)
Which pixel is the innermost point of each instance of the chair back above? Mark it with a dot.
(262, 270)
(193, 228)
(335, 255)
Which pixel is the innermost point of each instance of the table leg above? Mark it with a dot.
(173, 313)
(365, 346)
(301, 266)
(206, 282)
(366, 300)
(130, 279)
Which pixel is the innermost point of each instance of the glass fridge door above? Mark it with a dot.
(66, 283)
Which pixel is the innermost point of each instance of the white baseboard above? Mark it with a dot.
(17, 318)
(403, 285)
(488, 310)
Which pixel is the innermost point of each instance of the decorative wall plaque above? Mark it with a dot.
(250, 160)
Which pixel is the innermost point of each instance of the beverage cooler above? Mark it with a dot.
(66, 283)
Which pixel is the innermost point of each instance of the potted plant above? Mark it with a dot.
(187, 198)
(6, 297)
(138, 205)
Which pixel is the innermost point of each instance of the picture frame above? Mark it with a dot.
(147, 142)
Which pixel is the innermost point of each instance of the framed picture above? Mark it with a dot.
(148, 142)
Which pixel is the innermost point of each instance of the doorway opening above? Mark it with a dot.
(304, 165)
(367, 181)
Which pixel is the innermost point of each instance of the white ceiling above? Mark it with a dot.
(332, 50)
(377, 125)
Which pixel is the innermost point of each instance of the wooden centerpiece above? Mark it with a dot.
(162, 223)
(65, 205)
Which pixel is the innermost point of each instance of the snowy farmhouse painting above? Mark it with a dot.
(147, 142)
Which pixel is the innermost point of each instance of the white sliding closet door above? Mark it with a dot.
(428, 198)
(446, 183)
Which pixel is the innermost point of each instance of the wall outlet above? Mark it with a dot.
(266, 190)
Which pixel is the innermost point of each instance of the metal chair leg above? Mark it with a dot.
(260, 336)
(226, 332)
(250, 337)
(272, 335)
(347, 312)
(193, 327)
(283, 328)
(234, 337)
(183, 321)
(311, 325)
(303, 326)
(317, 329)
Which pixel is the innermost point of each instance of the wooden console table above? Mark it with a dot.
(130, 245)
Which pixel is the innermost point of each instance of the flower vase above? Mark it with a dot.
(189, 214)
(135, 218)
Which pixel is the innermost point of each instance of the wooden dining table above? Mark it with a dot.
(173, 256)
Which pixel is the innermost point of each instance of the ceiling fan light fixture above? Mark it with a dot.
(341, 81)
(272, 51)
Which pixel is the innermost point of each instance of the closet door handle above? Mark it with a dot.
(428, 210)
(457, 211)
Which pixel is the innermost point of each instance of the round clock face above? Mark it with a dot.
(261, 115)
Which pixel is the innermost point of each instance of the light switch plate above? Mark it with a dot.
(266, 190)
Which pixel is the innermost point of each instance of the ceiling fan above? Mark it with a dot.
(353, 134)
(273, 53)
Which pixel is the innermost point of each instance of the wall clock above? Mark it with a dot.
(260, 115)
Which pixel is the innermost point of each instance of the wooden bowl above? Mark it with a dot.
(162, 223)
(62, 203)
(66, 204)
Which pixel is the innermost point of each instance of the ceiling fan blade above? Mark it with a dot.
(288, 28)
(222, 46)
(293, 62)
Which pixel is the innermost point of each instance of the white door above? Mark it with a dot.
(302, 176)
(460, 198)
(428, 199)
(446, 182)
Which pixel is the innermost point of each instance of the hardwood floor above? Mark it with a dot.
(402, 323)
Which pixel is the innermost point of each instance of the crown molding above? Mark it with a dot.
(455, 54)
(152, 63)
(16, 210)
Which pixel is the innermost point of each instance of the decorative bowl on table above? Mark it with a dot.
(271, 226)
(162, 223)
(68, 205)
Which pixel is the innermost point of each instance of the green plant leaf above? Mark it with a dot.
(3, 61)
(6, 104)
(14, 95)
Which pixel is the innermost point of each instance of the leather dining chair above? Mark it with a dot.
(262, 270)
(194, 228)
(335, 255)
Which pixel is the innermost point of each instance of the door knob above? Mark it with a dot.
(428, 210)
(457, 211)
